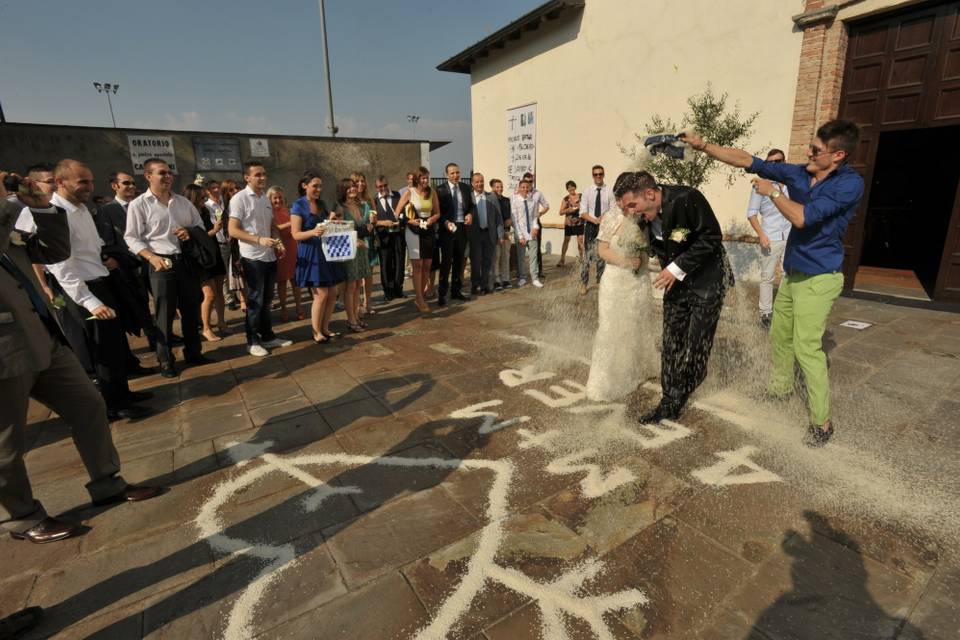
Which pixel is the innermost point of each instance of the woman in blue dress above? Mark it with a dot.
(312, 269)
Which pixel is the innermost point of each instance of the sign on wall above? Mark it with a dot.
(142, 148)
(521, 142)
(217, 154)
(259, 148)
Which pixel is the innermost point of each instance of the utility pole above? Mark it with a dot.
(107, 88)
(326, 67)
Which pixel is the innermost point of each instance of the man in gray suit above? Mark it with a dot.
(34, 362)
(484, 233)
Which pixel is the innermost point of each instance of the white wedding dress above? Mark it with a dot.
(623, 347)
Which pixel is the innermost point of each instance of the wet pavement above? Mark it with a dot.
(445, 476)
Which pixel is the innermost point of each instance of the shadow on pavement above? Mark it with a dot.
(829, 597)
(288, 522)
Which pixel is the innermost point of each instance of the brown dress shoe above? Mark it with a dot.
(132, 493)
(47, 530)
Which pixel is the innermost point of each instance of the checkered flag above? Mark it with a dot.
(339, 246)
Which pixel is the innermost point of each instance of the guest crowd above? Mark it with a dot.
(77, 278)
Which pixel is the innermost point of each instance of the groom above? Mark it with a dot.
(686, 237)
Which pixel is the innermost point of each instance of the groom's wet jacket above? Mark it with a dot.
(693, 240)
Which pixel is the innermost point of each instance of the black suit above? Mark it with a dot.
(692, 239)
(453, 246)
(392, 247)
(129, 280)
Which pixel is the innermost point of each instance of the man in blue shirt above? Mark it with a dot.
(772, 231)
(824, 195)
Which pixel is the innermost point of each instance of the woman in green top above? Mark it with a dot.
(351, 209)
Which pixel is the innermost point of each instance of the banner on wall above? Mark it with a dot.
(142, 148)
(521, 143)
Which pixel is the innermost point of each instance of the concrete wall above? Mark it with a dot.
(597, 77)
(107, 150)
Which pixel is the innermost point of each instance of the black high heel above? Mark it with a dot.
(324, 340)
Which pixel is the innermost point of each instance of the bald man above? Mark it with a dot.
(90, 298)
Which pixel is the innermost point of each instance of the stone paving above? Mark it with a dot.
(444, 476)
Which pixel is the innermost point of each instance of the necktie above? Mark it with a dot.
(526, 211)
(482, 211)
(38, 304)
(596, 207)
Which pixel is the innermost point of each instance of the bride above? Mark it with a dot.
(623, 348)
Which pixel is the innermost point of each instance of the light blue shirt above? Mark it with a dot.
(772, 222)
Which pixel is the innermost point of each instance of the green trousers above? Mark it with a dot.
(800, 315)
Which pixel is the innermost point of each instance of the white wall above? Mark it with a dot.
(597, 79)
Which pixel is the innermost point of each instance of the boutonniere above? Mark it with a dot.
(679, 234)
(16, 238)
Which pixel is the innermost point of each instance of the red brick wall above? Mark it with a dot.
(822, 57)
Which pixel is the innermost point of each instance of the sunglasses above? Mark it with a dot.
(817, 151)
(128, 183)
(598, 175)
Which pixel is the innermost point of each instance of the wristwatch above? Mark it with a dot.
(776, 194)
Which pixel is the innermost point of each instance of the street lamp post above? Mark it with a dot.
(326, 67)
(413, 119)
(108, 88)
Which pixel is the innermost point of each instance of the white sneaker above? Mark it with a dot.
(538, 284)
(521, 282)
(257, 350)
(277, 342)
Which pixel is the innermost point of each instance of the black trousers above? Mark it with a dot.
(260, 279)
(689, 324)
(453, 256)
(590, 253)
(174, 289)
(392, 256)
(481, 258)
(106, 344)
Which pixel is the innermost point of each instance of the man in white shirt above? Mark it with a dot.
(524, 214)
(90, 299)
(157, 222)
(541, 206)
(252, 224)
(772, 230)
(594, 202)
(456, 215)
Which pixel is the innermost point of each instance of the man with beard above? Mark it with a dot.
(91, 298)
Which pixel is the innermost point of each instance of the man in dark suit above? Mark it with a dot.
(392, 247)
(456, 214)
(484, 233)
(130, 274)
(686, 237)
(35, 362)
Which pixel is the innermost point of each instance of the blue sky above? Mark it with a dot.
(248, 67)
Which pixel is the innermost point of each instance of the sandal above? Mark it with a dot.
(356, 328)
(333, 335)
(371, 311)
(211, 337)
(322, 340)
